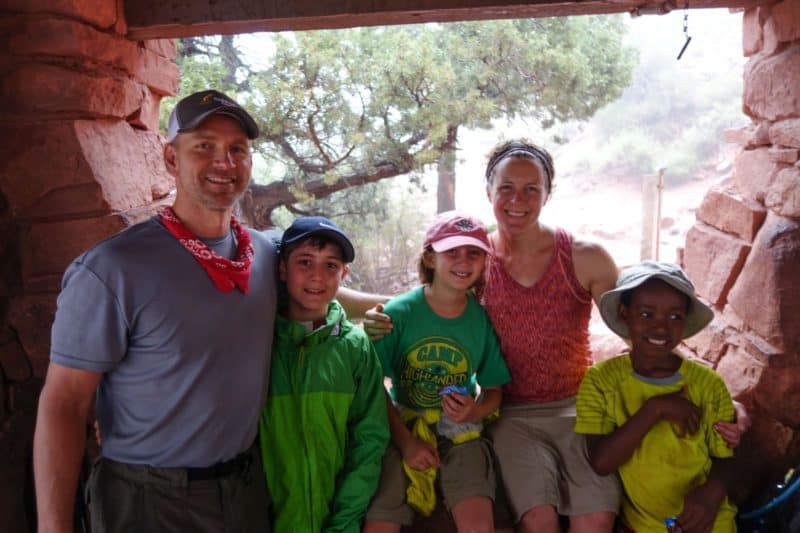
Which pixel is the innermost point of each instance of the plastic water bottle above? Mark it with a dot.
(672, 525)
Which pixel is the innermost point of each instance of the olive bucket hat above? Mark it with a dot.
(698, 315)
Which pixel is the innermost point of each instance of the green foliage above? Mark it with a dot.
(198, 72)
(341, 103)
(672, 115)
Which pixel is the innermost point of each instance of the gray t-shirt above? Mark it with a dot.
(186, 366)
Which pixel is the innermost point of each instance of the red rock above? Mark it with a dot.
(73, 39)
(766, 295)
(41, 161)
(155, 71)
(786, 133)
(784, 193)
(786, 17)
(784, 155)
(752, 35)
(711, 342)
(164, 47)
(772, 85)
(101, 13)
(48, 248)
(147, 116)
(152, 167)
(730, 317)
(41, 89)
(771, 42)
(741, 371)
(14, 362)
(765, 450)
(127, 163)
(31, 317)
(140, 214)
(81, 168)
(605, 345)
(712, 261)
(70, 38)
(754, 171)
(728, 211)
(778, 393)
(749, 136)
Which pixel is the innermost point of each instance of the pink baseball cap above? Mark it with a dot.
(452, 229)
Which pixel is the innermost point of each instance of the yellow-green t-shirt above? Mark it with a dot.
(665, 467)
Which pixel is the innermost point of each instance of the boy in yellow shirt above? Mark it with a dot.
(649, 414)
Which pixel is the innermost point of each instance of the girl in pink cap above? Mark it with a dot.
(441, 348)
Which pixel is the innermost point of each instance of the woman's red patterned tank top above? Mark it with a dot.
(543, 329)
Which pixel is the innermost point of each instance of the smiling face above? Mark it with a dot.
(518, 191)
(312, 273)
(656, 318)
(211, 165)
(459, 268)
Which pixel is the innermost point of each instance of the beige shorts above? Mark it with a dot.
(542, 461)
(467, 471)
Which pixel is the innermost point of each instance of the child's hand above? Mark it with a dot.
(700, 508)
(420, 455)
(731, 432)
(459, 407)
(679, 410)
(376, 323)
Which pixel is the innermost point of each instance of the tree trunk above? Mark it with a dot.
(446, 169)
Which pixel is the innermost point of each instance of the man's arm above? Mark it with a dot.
(59, 443)
(357, 303)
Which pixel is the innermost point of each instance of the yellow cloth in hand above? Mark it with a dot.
(421, 493)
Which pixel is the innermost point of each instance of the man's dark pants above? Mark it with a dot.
(227, 498)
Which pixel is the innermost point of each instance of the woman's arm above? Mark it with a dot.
(732, 432)
(594, 267)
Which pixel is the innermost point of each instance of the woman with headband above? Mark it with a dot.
(539, 287)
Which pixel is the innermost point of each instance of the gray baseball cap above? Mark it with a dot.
(698, 315)
(189, 112)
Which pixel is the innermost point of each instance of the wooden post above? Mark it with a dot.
(651, 214)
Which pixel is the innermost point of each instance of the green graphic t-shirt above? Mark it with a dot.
(425, 353)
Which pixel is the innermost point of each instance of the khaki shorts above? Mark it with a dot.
(542, 461)
(467, 471)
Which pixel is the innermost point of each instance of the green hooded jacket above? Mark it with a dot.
(324, 427)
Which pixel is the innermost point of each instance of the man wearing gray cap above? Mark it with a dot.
(170, 322)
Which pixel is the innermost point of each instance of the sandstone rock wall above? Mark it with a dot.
(80, 159)
(744, 250)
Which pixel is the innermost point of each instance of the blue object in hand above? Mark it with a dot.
(672, 525)
(457, 389)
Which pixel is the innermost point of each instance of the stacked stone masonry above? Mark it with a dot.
(81, 159)
(744, 250)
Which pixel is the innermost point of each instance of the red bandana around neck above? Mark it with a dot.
(225, 273)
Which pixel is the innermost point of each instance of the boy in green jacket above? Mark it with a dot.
(324, 427)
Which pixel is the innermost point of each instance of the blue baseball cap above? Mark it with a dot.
(305, 227)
